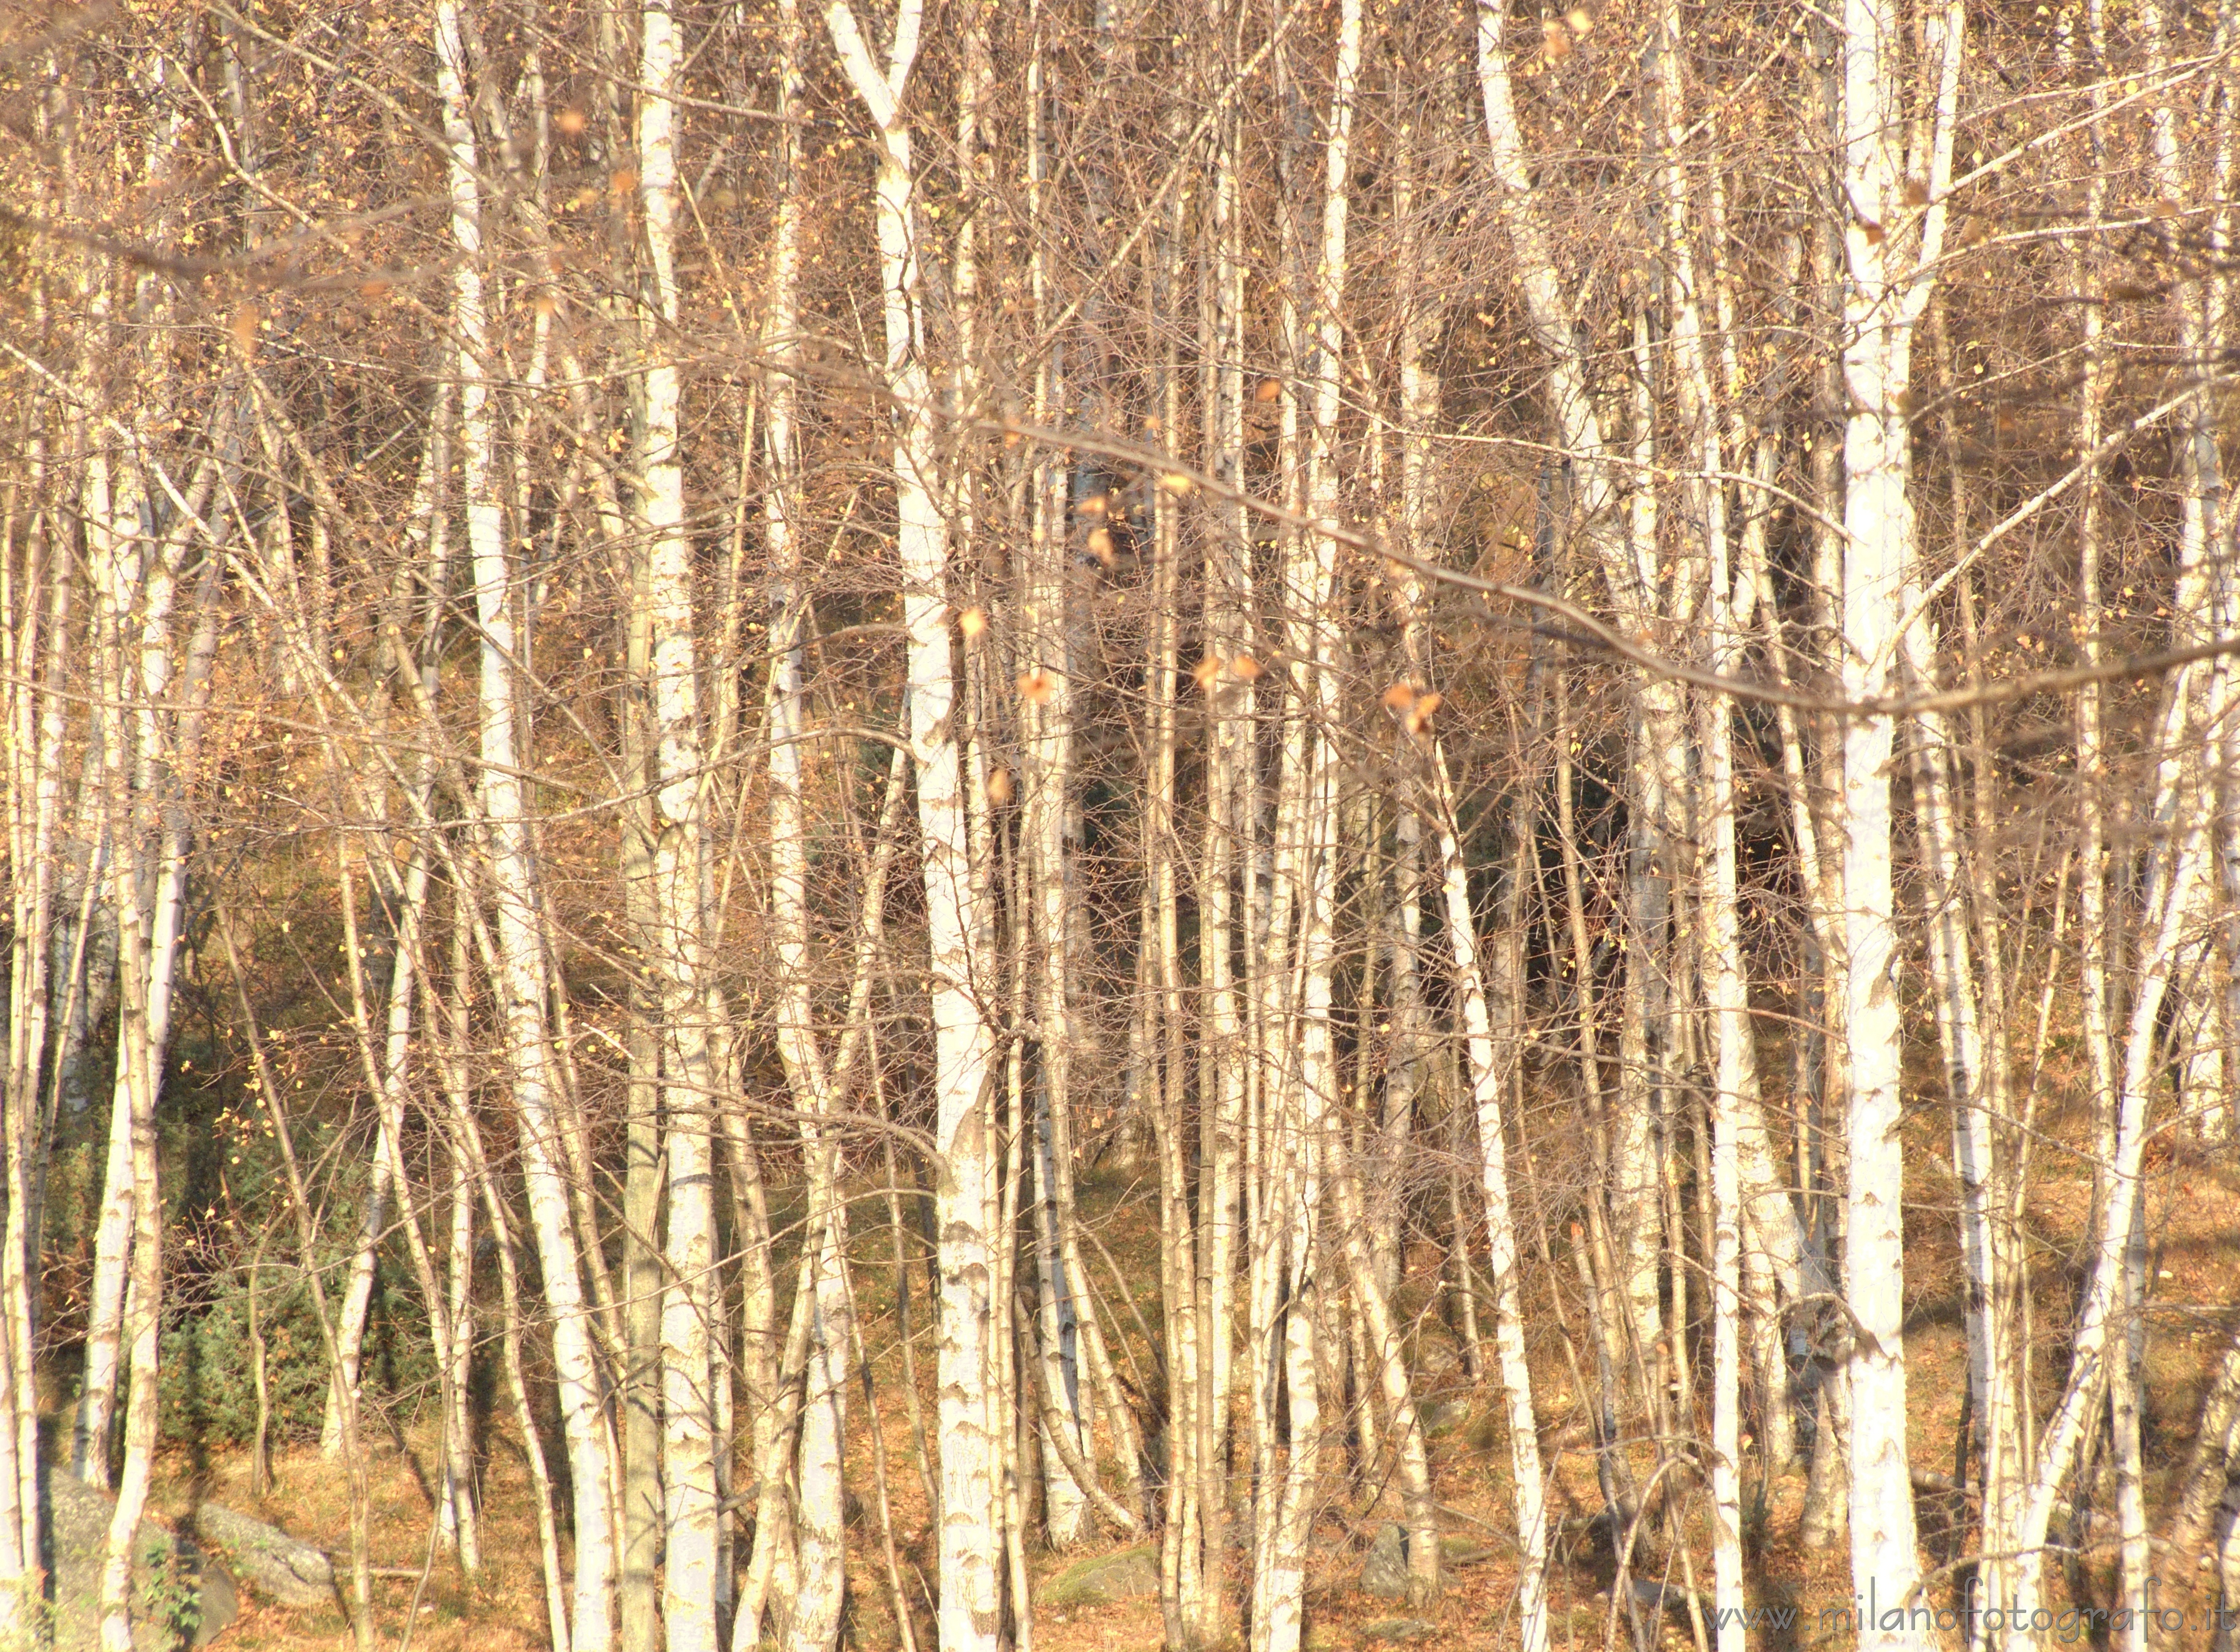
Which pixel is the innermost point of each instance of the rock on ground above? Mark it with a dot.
(1441, 1417)
(1403, 1630)
(1384, 1570)
(1125, 1573)
(276, 1566)
(180, 1596)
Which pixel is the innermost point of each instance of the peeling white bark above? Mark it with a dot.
(957, 924)
(518, 981)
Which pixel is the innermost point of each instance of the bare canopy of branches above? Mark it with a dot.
(832, 799)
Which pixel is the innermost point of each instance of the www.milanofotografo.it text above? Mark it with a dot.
(2065, 1625)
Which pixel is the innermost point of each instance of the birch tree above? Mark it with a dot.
(517, 966)
(1615, 624)
(691, 1318)
(958, 930)
(1891, 245)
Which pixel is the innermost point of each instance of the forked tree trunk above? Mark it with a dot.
(798, 1512)
(958, 930)
(1045, 634)
(116, 568)
(1301, 1099)
(35, 609)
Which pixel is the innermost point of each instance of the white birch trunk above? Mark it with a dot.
(822, 1552)
(2092, 914)
(36, 610)
(958, 939)
(1047, 715)
(358, 1292)
(1203, 1606)
(116, 561)
(1491, 1069)
(1884, 291)
(1726, 992)
(691, 1307)
(815, 1543)
(518, 981)
(1303, 1087)
(148, 968)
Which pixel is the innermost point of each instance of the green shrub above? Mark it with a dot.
(209, 1373)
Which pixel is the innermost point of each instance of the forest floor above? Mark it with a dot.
(2194, 1213)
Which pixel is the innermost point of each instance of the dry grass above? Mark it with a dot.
(2190, 1220)
(501, 1611)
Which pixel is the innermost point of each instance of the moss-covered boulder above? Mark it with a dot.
(1125, 1573)
(180, 1596)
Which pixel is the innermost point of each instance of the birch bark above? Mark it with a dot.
(1725, 985)
(959, 933)
(820, 1551)
(1047, 599)
(36, 610)
(115, 566)
(1224, 1073)
(135, 1106)
(1890, 251)
(1303, 1088)
(148, 963)
(519, 977)
(1491, 1069)
(1627, 558)
(692, 1305)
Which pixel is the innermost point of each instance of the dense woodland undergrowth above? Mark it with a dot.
(803, 805)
